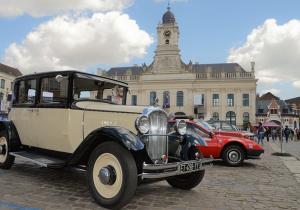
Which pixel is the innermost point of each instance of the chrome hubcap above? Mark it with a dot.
(234, 156)
(107, 175)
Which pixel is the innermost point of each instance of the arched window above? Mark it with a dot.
(245, 118)
(215, 116)
(231, 117)
(179, 98)
(167, 41)
(166, 99)
(152, 98)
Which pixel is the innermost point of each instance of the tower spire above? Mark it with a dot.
(169, 7)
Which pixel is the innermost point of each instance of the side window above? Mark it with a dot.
(226, 127)
(217, 125)
(26, 92)
(54, 92)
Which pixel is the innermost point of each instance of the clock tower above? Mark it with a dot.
(167, 55)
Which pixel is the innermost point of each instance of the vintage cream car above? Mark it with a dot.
(70, 118)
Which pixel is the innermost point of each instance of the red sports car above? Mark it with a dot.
(232, 150)
(226, 129)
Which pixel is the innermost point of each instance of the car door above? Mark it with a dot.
(24, 110)
(52, 116)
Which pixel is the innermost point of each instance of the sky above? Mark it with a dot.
(43, 35)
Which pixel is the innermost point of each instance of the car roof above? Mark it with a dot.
(50, 73)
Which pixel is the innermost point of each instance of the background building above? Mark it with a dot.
(271, 108)
(222, 91)
(7, 75)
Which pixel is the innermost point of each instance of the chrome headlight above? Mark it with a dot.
(181, 127)
(142, 124)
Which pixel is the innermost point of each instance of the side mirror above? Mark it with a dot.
(59, 78)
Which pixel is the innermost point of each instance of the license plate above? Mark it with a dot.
(189, 167)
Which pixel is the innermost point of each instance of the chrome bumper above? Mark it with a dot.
(156, 171)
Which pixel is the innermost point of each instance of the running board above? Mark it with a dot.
(41, 160)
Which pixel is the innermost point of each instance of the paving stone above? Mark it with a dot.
(259, 184)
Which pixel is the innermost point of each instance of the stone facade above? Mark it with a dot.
(272, 108)
(7, 76)
(223, 91)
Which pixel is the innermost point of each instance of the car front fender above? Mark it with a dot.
(110, 133)
(12, 134)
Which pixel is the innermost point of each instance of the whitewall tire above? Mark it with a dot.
(6, 160)
(112, 175)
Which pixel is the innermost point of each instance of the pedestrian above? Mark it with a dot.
(273, 134)
(260, 133)
(267, 133)
(292, 134)
(286, 133)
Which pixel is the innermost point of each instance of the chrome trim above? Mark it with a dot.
(153, 168)
(156, 139)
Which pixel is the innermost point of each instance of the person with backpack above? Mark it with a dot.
(286, 133)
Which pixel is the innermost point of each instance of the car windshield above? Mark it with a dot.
(88, 87)
(235, 128)
(205, 125)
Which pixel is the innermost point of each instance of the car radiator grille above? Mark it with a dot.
(157, 145)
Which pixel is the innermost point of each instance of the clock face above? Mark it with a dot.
(167, 33)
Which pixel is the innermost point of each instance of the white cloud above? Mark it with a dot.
(69, 42)
(274, 91)
(275, 49)
(52, 7)
(296, 84)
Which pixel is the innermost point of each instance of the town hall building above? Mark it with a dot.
(223, 91)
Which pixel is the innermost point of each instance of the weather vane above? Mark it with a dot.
(169, 5)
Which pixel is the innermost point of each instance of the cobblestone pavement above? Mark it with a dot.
(259, 184)
(292, 147)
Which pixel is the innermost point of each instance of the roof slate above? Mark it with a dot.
(197, 68)
(293, 100)
(136, 70)
(268, 96)
(217, 67)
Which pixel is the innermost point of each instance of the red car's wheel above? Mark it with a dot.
(233, 155)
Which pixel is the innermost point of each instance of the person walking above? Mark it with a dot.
(286, 133)
(267, 133)
(273, 134)
(292, 134)
(260, 133)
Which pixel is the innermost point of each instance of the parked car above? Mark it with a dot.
(232, 150)
(70, 118)
(226, 129)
